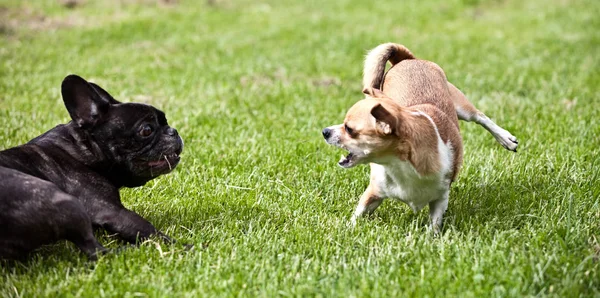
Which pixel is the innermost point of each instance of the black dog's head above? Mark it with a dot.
(135, 139)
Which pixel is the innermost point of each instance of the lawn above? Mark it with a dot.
(250, 84)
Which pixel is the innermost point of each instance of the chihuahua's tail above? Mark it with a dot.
(376, 59)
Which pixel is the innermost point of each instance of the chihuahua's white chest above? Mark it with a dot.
(398, 179)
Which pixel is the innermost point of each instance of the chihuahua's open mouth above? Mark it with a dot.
(347, 161)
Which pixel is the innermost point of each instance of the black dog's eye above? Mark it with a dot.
(146, 130)
(348, 129)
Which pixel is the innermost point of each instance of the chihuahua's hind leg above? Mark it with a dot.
(436, 212)
(369, 201)
(467, 112)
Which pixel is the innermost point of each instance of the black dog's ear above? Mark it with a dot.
(104, 94)
(84, 104)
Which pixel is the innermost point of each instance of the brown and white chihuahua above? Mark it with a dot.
(407, 130)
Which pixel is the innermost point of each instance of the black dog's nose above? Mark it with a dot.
(326, 133)
(171, 131)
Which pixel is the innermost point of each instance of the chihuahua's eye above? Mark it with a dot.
(348, 129)
(146, 130)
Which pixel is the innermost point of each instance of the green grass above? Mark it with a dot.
(250, 84)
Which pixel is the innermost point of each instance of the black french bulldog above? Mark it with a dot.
(66, 182)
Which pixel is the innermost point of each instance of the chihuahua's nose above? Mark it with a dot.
(171, 131)
(326, 133)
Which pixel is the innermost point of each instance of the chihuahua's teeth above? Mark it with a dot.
(342, 158)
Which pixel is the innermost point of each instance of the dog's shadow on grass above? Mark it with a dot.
(499, 206)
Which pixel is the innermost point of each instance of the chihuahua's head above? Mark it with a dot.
(370, 132)
(135, 142)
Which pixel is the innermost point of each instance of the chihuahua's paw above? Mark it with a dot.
(507, 140)
(352, 222)
(436, 229)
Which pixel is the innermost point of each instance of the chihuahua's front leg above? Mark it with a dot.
(369, 201)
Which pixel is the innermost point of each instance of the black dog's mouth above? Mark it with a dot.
(166, 162)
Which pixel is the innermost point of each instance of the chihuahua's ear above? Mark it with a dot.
(373, 92)
(387, 123)
(84, 104)
(104, 94)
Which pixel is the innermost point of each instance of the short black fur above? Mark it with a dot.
(66, 181)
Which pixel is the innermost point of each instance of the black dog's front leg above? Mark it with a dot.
(129, 226)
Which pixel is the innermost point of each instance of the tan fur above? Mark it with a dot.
(376, 60)
(416, 138)
(464, 108)
(370, 198)
(407, 129)
(449, 133)
(412, 81)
